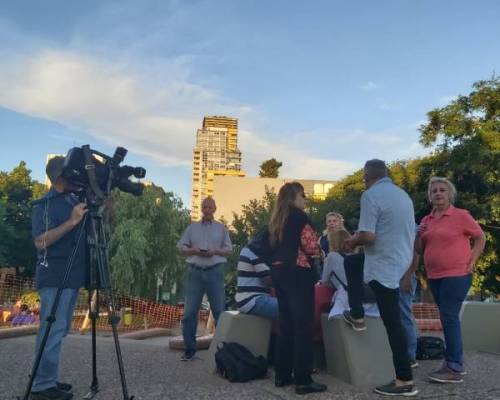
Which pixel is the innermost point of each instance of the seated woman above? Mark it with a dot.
(253, 295)
(334, 274)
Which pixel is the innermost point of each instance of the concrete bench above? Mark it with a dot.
(248, 330)
(481, 326)
(358, 358)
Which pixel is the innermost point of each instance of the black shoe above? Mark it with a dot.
(66, 387)
(313, 387)
(188, 355)
(52, 393)
(392, 390)
(281, 382)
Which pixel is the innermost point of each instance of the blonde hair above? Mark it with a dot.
(333, 214)
(284, 204)
(336, 239)
(451, 187)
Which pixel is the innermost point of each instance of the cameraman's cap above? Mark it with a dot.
(54, 168)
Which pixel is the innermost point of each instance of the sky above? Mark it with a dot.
(320, 85)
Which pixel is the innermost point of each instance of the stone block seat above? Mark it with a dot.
(481, 326)
(248, 330)
(358, 358)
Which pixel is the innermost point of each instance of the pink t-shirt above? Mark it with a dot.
(446, 240)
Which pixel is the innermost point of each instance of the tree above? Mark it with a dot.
(16, 193)
(467, 134)
(144, 234)
(270, 168)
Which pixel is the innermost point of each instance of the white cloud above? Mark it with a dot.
(297, 163)
(152, 118)
(369, 86)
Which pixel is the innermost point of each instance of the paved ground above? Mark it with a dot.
(154, 372)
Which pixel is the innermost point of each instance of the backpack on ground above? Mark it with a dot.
(430, 348)
(237, 364)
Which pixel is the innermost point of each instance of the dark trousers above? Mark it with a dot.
(295, 291)
(388, 305)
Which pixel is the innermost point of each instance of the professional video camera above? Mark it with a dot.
(91, 169)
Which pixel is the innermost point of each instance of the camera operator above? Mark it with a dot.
(55, 221)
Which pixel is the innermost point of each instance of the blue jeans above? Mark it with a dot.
(48, 370)
(449, 294)
(265, 306)
(198, 282)
(407, 319)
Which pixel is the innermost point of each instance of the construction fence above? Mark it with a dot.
(17, 293)
(19, 305)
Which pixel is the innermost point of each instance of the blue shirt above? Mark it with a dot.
(387, 211)
(49, 212)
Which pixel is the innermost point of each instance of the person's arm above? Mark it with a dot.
(227, 248)
(184, 245)
(405, 282)
(477, 249)
(366, 234)
(51, 236)
(474, 231)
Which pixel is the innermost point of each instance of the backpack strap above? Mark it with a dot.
(336, 276)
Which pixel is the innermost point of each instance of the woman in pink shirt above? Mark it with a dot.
(444, 238)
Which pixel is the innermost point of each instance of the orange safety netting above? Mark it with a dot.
(136, 313)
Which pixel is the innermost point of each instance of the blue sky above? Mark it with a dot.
(320, 85)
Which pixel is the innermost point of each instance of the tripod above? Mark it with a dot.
(98, 267)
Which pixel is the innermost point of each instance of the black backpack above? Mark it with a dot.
(430, 348)
(237, 364)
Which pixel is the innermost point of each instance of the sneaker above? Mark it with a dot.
(357, 324)
(461, 373)
(188, 355)
(52, 393)
(446, 375)
(313, 387)
(414, 364)
(392, 390)
(66, 387)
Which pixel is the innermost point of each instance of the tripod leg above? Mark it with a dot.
(114, 319)
(94, 314)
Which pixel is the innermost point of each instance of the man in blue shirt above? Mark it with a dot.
(387, 232)
(56, 219)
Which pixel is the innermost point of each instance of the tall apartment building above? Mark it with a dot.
(215, 154)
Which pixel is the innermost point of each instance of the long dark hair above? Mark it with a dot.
(284, 204)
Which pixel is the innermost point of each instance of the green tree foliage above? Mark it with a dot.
(144, 234)
(17, 190)
(270, 168)
(467, 135)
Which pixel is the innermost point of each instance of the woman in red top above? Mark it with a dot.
(293, 241)
(444, 238)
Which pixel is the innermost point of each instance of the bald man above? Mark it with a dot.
(206, 244)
